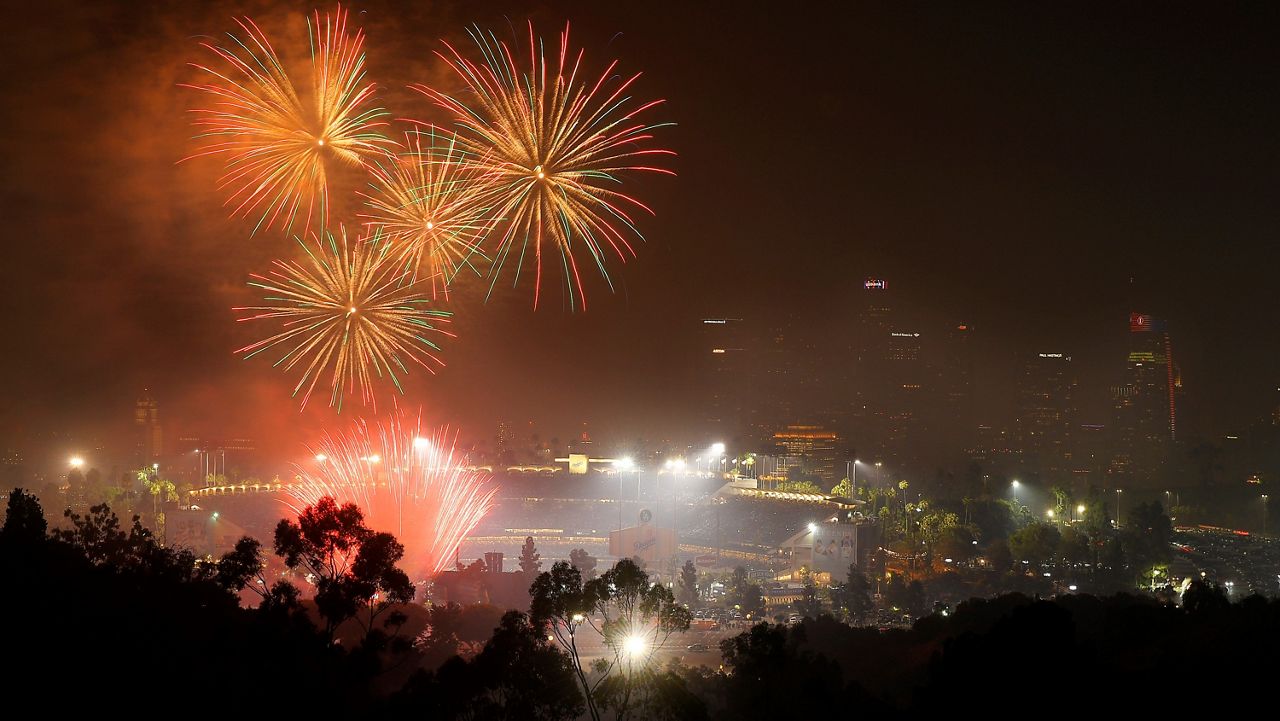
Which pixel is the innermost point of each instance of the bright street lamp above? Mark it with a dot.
(76, 462)
(1015, 495)
(634, 646)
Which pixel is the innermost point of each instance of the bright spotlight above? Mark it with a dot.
(625, 463)
(813, 528)
(717, 448)
(634, 645)
(76, 462)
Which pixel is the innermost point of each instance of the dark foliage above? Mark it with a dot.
(96, 612)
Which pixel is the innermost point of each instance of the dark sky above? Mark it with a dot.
(1011, 163)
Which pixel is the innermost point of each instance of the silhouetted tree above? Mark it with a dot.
(853, 597)
(1147, 534)
(529, 557)
(583, 561)
(744, 594)
(24, 521)
(561, 605)
(354, 567)
(689, 584)
(1036, 543)
(633, 616)
(516, 676)
(809, 605)
(638, 617)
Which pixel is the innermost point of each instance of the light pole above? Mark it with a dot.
(678, 467)
(624, 464)
(1015, 485)
(851, 472)
(1264, 514)
(1118, 492)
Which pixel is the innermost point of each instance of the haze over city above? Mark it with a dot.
(561, 359)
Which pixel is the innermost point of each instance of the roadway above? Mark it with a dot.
(591, 646)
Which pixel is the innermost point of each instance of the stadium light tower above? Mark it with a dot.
(623, 465)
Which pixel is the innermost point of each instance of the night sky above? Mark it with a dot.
(1012, 163)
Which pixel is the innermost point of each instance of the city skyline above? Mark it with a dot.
(1018, 234)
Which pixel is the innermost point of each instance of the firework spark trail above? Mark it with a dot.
(555, 148)
(429, 203)
(409, 482)
(349, 309)
(276, 145)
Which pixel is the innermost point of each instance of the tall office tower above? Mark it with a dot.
(149, 438)
(906, 382)
(723, 369)
(868, 387)
(1146, 407)
(1046, 415)
(956, 381)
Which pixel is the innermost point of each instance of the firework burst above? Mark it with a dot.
(350, 313)
(408, 481)
(278, 148)
(428, 202)
(555, 147)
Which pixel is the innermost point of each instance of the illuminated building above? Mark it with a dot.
(907, 378)
(956, 377)
(869, 398)
(1146, 407)
(149, 437)
(722, 369)
(814, 443)
(1046, 413)
(827, 548)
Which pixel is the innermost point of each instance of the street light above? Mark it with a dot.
(76, 462)
(851, 472)
(622, 464)
(634, 646)
(1015, 495)
(1080, 511)
(1118, 492)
